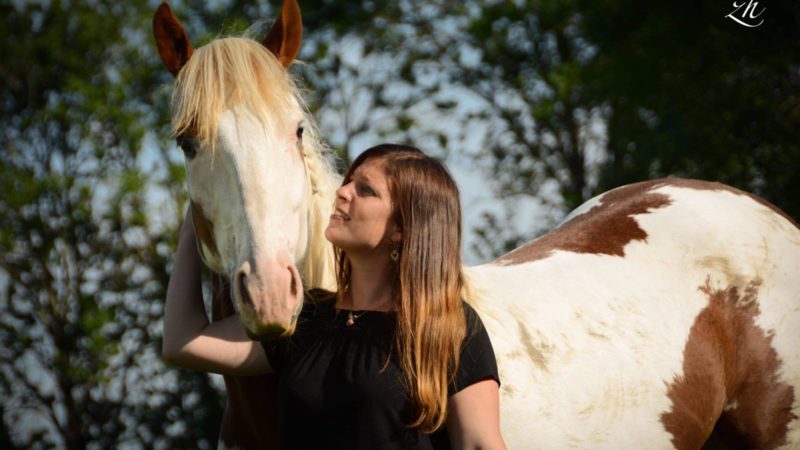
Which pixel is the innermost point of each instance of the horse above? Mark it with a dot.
(661, 314)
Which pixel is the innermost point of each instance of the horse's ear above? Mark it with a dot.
(283, 40)
(171, 39)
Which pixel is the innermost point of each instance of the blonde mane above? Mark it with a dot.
(318, 267)
(240, 72)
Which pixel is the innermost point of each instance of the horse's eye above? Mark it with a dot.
(188, 145)
(300, 132)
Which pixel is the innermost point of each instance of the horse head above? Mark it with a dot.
(259, 185)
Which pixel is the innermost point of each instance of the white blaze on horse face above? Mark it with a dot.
(249, 189)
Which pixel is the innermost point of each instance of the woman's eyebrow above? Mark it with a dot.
(361, 176)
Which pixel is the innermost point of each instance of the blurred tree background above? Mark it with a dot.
(536, 105)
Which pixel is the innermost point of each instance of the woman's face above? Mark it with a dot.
(362, 221)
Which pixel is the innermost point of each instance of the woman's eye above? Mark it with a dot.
(366, 190)
(188, 145)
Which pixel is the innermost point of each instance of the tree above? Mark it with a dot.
(692, 93)
(84, 260)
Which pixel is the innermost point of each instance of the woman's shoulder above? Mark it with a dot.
(471, 317)
(477, 361)
(468, 309)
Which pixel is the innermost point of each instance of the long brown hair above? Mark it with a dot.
(428, 278)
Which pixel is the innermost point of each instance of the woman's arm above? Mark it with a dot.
(473, 417)
(189, 339)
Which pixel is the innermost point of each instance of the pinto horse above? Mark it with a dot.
(662, 314)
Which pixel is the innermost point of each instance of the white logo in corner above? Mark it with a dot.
(747, 16)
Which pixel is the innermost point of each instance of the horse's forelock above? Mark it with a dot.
(227, 73)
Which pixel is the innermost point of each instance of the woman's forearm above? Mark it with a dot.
(184, 316)
(192, 342)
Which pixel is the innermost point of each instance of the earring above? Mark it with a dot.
(395, 255)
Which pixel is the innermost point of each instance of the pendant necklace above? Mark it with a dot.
(351, 318)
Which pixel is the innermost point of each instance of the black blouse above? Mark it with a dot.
(336, 390)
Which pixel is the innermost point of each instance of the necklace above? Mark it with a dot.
(351, 318)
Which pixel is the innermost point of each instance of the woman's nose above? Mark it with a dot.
(345, 191)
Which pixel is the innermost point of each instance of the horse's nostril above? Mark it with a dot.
(293, 287)
(243, 290)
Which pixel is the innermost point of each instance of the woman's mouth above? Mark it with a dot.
(337, 214)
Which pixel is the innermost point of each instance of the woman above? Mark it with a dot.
(394, 358)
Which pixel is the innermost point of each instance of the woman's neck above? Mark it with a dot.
(370, 286)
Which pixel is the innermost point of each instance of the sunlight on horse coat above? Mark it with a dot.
(654, 313)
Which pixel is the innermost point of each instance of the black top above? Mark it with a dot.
(333, 393)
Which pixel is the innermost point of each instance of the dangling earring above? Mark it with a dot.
(395, 255)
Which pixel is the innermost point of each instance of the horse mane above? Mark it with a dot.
(318, 267)
(240, 72)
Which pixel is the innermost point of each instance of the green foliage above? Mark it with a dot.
(712, 100)
(80, 255)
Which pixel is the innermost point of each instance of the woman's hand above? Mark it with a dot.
(189, 339)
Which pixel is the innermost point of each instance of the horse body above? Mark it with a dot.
(653, 313)
(663, 314)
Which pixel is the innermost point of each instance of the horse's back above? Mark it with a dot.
(653, 311)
